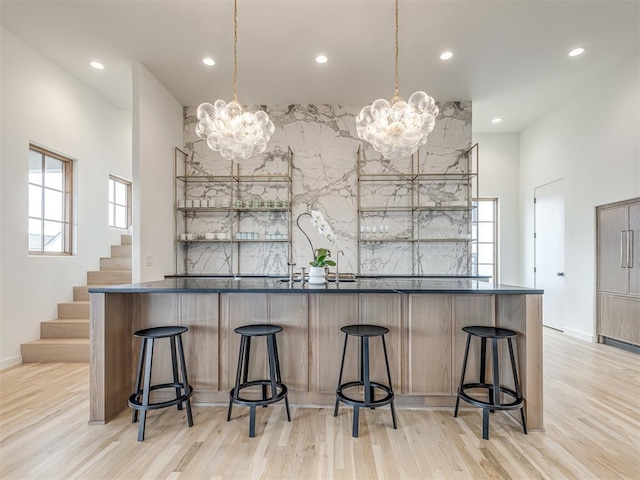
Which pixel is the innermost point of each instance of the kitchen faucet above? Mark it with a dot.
(338, 265)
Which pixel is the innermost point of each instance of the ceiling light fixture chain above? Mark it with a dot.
(226, 127)
(397, 128)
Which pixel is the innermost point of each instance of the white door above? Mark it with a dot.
(549, 251)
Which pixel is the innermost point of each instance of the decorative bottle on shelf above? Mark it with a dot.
(317, 276)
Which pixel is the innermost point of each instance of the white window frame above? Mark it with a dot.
(495, 244)
(112, 205)
(67, 213)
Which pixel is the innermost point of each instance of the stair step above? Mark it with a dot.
(77, 310)
(109, 278)
(56, 350)
(115, 263)
(120, 250)
(125, 239)
(81, 293)
(65, 328)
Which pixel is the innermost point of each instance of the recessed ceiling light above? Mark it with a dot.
(210, 62)
(496, 120)
(577, 51)
(321, 59)
(446, 56)
(97, 65)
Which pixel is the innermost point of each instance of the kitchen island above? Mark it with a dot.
(425, 343)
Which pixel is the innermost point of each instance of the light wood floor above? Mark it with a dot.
(592, 420)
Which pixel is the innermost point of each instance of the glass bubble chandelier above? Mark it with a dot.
(227, 127)
(397, 128)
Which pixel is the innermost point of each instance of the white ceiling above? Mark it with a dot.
(510, 55)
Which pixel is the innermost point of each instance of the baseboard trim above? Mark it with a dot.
(10, 362)
(629, 347)
(580, 335)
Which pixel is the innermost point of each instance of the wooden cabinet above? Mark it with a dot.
(428, 332)
(327, 314)
(620, 318)
(633, 266)
(288, 311)
(618, 263)
(385, 310)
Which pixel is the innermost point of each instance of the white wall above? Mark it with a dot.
(592, 142)
(157, 130)
(42, 103)
(499, 156)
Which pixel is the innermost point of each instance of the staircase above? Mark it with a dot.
(66, 339)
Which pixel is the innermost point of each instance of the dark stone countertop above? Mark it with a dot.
(276, 285)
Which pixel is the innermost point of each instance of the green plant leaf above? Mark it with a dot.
(330, 262)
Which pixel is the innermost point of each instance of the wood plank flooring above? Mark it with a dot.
(592, 421)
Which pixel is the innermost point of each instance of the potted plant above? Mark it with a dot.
(320, 260)
(321, 255)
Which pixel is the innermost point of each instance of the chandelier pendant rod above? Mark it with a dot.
(396, 95)
(235, 50)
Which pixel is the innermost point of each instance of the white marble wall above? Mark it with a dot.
(324, 145)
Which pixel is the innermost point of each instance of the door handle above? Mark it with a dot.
(623, 237)
(630, 249)
(560, 274)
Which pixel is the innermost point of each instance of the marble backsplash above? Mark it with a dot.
(324, 177)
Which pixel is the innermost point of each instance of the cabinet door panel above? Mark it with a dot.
(612, 255)
(384, 310)
(620, 318)
(469, 310)
(158, 310)
(428, 333)
(290, 312)
(633, 264)
(238, 309)
(199, 313)
(327, 314)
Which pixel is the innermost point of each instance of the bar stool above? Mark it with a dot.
(494, 388)
(278, 389)
(183, 389)
(364, 332)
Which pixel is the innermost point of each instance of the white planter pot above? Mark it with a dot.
(316, 276)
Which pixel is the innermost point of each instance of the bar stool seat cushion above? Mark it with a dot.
(364, 330)
(160, 332)
(259, 330)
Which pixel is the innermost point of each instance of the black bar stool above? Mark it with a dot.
(494, 388)
(278, 389)
(183, 389)
(364, 332)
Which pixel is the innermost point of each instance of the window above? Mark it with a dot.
(119, 202)
(485, 235)
(50, 192)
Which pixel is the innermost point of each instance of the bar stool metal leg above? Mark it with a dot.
(174, 367)
(146, 389)
(252, 421)
(462, 374)
(239, 369)
(185, 381)
(515, 378)
(386, 361)
(143, 344)
(279, 377)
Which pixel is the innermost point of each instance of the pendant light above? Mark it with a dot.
(227, 127)
(397, 128)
